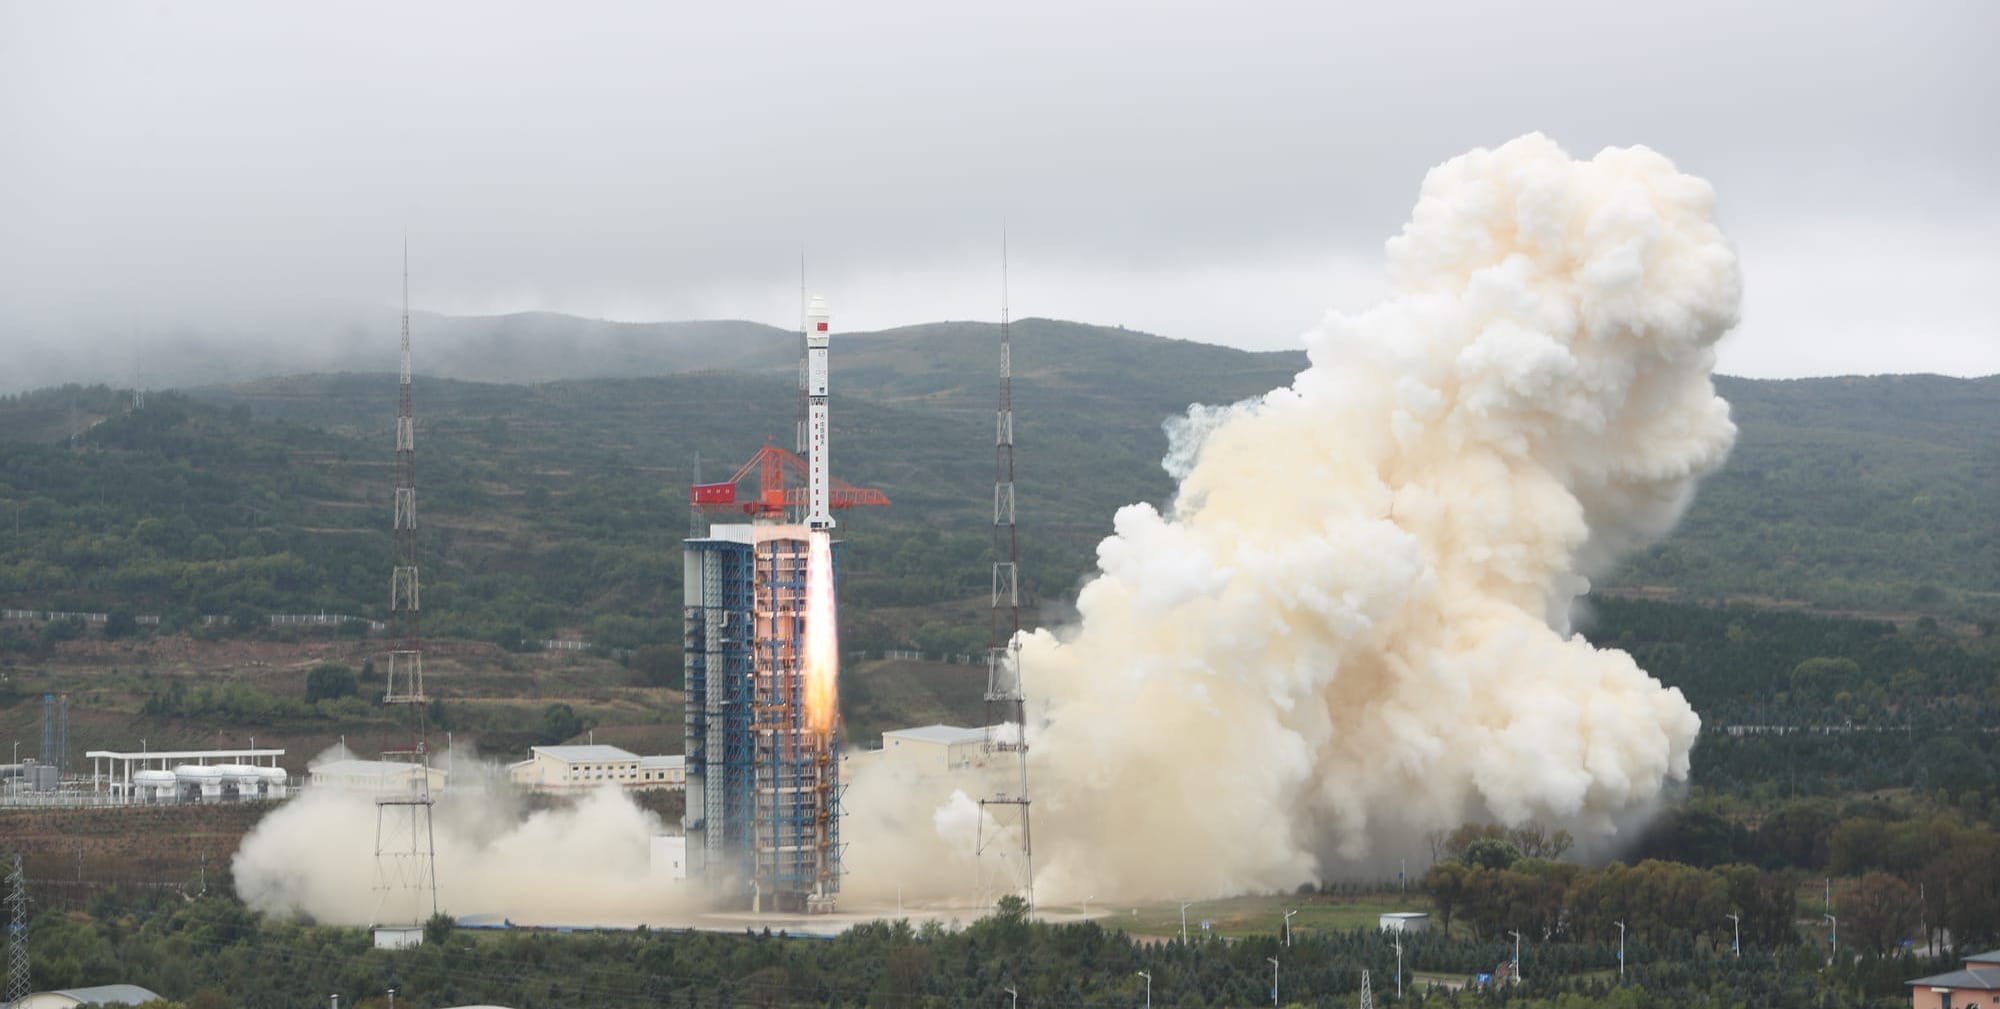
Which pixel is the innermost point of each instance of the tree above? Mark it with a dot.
(1880, 911)
(560, 722)
(329, 681)
(437, 928)
(1491, 853)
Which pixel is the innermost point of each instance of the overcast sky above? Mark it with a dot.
(1218, 172)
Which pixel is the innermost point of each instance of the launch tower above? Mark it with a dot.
(760, 658)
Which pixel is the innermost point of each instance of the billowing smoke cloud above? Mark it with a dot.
(1351, 626)
(572, 864)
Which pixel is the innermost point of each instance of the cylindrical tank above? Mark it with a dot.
(240, 781)
(198, 783)
(154, 786)
(273, 780)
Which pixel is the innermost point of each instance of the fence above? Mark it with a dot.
(210, 620)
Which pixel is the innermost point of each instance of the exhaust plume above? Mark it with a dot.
(587, 862)
(1351, 626)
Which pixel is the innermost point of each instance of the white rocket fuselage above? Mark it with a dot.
(819, 497)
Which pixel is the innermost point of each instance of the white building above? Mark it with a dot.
(669, 856)
(565, 768)
(398, 936)
(376, 777)
(935, 749)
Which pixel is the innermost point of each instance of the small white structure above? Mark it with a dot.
(567, 768)
(935, 749)
(398, 936)
(669, 856)
(104, 994)
(376, 777)
(1406, 921)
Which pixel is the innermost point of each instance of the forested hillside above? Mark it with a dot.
(558, 507)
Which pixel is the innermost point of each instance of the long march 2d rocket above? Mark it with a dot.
(819, 503)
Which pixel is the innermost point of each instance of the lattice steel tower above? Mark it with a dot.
(405, 852)
(1005, 848)
(18, 981)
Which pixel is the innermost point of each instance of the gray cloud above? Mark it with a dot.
(1210, 174)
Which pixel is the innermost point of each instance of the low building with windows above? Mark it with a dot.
(1977, 985)
(570, 768)
(377, 777)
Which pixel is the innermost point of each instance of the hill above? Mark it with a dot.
(558, 506)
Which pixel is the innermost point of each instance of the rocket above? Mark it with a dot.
(819, 500)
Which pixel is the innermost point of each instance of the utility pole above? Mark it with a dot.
(1835, 922)
(1273, 961)
(1517, 956)
(1736, 934)
(1621, 949)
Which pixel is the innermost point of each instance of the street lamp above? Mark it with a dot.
(1735, 934)
(1086, 904)
(1184, 908)
(1621, 949)
(1288, 928)
(1149, 988)
(1517, 955)
(1399, 964)
(1835, 922)
(1274, 978)
(392, 991)
(1013, 999)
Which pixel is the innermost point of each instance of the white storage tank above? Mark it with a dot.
(240, 781)
(154, 786)
(272, 781)
(199, 783)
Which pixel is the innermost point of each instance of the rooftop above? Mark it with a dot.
(110, 994)
(181, 755)
(368, 768)
(664, 760)
(595, 752)
(1983, 979)
(950, 735)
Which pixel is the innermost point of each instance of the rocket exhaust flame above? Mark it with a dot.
(821, 661)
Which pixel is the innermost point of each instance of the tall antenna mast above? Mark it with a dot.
(1006, 853)
(405, 851)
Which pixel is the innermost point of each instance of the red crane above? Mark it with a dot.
(773, 496)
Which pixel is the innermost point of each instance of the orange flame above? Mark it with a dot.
(822, 654)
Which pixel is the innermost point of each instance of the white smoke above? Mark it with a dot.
(1351, 627)
(586, 862)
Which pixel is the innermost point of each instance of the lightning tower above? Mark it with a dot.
(405, 852)
(1005, 849)
(18, 979)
